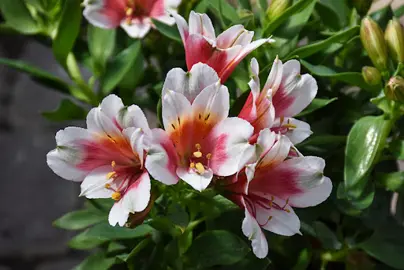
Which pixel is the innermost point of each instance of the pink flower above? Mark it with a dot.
(107, 157)
(268, 189)
(199, 141)
(285, 94)
(134, 16)
(223, 53)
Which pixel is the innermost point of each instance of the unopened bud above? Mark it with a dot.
(373, 41)
(362, 6)
(371, 75)
(394, 37)
(277, 7)
(394, 89)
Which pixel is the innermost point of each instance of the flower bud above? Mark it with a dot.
(394, 37)
(394, 89)
(373, 41)
(371, 75)
(277, 7)
(362, 6)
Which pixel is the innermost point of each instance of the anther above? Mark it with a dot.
(192, 165)
(199, 168)
(116, 196)
(129, 11)
(269, 218)
(198, 146)
(197, 154)
(111, 175)
(113, 164)
(208, 156)
(108, 186)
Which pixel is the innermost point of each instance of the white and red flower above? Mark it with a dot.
(134, 16)
(223, 53)
(199, 141)
(268, 189)
(285, 94)
(107, 157)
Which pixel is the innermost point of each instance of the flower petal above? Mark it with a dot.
(93, 186)
(133, 116)
(55, 160)
(296, 130)
(275, 77)
(191, 83)
(137, 29)
(98, 122)
(182, 26)
(93, 13)
(137, 196)
(228, 37)
(252, 230)
(197, 49)
(275, 154)
(136, 138)
(202, 25)
(111, 106)
(175, 110)
(194, 179)
(229, 140)
(118, 214)
(161, 160)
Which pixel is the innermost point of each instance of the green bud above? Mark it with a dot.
(361, 6)
(371, 75)
(373, 41)
(394, 89)
(277, 7)
(394, 37)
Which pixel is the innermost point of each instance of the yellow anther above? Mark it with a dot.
(290, 126)
(269, 218)
(128, 21)
(129, 11)
(107, 186)
(192, 165)
(197, 154)
(199, 167)
(113, 163)
(111, 175)
(287, 210)
(198, 146)
(282, 118)
(270, 204)
(116, 196)
(208, 156)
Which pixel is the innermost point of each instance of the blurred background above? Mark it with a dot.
(31, 196)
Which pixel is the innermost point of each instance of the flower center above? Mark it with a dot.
(198, 162)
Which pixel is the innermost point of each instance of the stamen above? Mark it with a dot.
(108, 186)
(111, 175)
(198, 146)
(282, 118)
(269, 218)
(291, 126)
(192, 165)
(199, 168)
(116, 196)
(197, 154)
(129, 11)
(113, 164)
(208, 156)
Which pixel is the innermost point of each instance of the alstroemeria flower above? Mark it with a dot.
(107, 157)
(134, 16)
(268, 189)
(223, 53)
(285, 94)
(200, 141)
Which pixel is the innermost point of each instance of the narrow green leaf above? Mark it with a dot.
(316, 104)
(352, 78)
(313, 48)
(67, 31)
(365, 141)
(398, 12)
(119, 66)
(397, 149)
(223, 7)
(142, 244)
(296, 8)
(355, 205)
(17, 15)
(167, 30)
(303, 261)
(382, 103)
(391, 181)
(326, 236)
(340, 8)
(250, 261)
(80, 219)
(37, 75)
(98, 261)
(216, 248)
(101, 44)
(245, 4)
(67, 110)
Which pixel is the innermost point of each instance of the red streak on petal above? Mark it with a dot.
(115, 11)
(282, 101)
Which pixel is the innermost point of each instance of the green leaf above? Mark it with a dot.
(167, 30)
(382, 103)
(38, 75)
(250, 261)
(67, 31)
(313, 48)
(365, 141)
(340, 8)
(382, 16)
(165, 225)
(328, 16)
(142, 244)
(67, 110)
(101, 44)
(316, 104)
(323, 140)
(397, 149)
(303, 261)
(80, 219)
(216, 248)
(97, 261)
(119, 66)
(398, 12)
(296, 8)
(326, 236)
(17, 15)
(391, 181)
(354, 205)
(387, 245)
(224, 8)
(352, 78)
(245, 4)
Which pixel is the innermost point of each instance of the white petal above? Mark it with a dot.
(172, 3)
(93, 186)
(252, 46)
(296, 130)
(230, 138)
(201, 24)
(275, 76)
(175, 109)
(227, 38)
(252, 230)
(194, 179)
(133, 116)
(63, 168)
(118, 214)
(137, 29)
(137, 197)
(182, 26)
(94, 15)
(98, 122)
(167, 19)
(111, 106)
(136, 137)
(266, 140)
(161, 160)
(190, 83)
(70, 136)
(277, 153)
